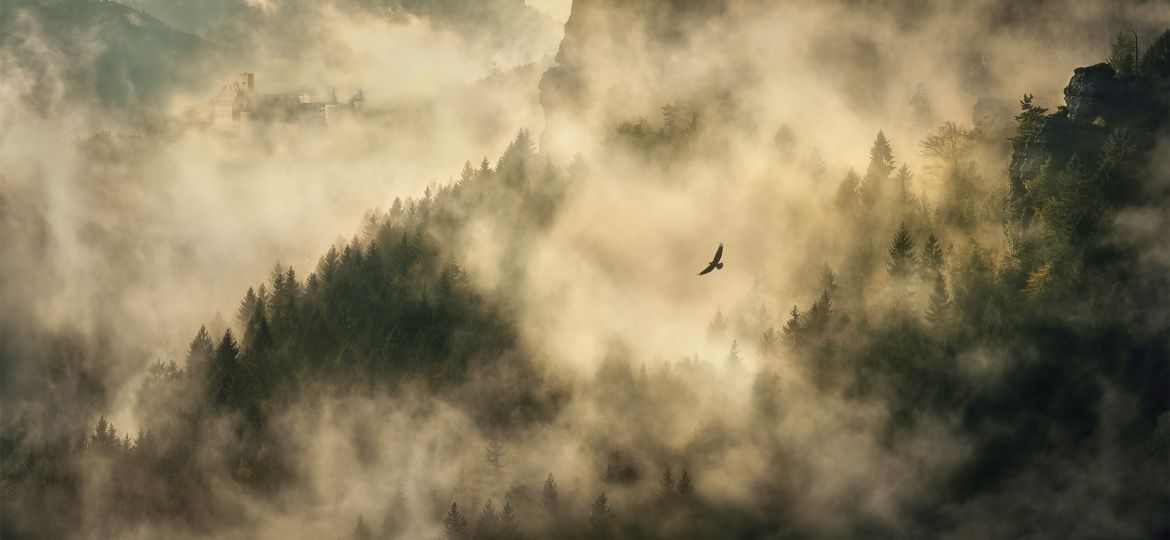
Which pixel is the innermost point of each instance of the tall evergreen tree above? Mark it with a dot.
(667, 482)
(877, 173)
(601, 516)
(932, 256)
(225, 370)
(200, 351)
(494, 452)
(488, 525)
(454, 524)
(509, 523)
(734, 361)
(901, 252)
(686, 488)
(938, 312)
(550, 498)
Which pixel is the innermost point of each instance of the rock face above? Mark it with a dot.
(1097, 103)
(613, 53)
(1090, 92)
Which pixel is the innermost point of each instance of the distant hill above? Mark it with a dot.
(97, 53)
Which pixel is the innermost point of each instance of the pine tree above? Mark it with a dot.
(686, 488)
(1156, 61)
(488, 525)
(820, 315)
(904, 179)
(224, 370)
(1030, 120)
(468, 172)
(734, 361)
(667, 482)
(901, 254)
(768, 342)
(1123, 56)
(549, 498)
(939, 310)
(200, 351)
(494, 452)
(247, 307)
(509, 523)
(601, 515)
(792, 327)
(454, 524)
(877, 173)
(847, 197)
(932, 255)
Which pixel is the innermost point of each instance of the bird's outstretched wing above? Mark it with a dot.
(718, 254)
(708, 269)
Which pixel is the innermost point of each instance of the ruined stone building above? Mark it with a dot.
(238, 104)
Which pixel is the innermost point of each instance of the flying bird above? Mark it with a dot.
(714, 264)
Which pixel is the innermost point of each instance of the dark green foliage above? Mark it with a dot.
(200, 351)
(901, 251)
(1156, 61)
(1029, 121)
(931, 257)
(1124, 54)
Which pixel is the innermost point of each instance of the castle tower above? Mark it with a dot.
(246, 81)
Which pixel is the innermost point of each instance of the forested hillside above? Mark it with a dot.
(954, 329)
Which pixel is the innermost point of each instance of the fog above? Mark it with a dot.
(125, 227)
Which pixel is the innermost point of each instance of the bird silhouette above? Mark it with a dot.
(714, 264)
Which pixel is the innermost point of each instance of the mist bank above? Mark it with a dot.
(943, 300)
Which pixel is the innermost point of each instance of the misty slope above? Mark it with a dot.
(119, 58)
(941, 331)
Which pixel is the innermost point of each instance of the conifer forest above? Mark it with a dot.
(427, 269)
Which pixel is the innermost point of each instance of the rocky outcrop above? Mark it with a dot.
(1097, 102)
(613, 53)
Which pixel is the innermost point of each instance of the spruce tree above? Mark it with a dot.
(454, 524)
(792, 327)
(200, 351)
(667, 482)
(509, 523)
(733, 358)
(939, 310)
(686, 488)
(901, 254)
(877, 173)
(224, 370)
(549, 498)
(932, 255)
(488, 524)
(601, 516)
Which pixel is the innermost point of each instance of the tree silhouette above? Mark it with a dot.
(454, 524)
(550, 498)
(901, 254)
